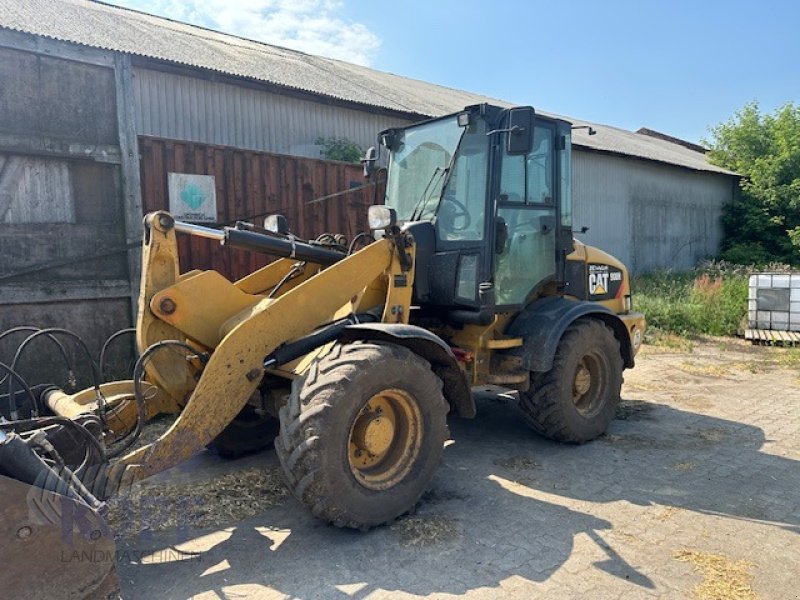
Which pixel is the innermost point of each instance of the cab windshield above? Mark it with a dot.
(418, 167)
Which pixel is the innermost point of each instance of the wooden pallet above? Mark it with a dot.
(769, 337)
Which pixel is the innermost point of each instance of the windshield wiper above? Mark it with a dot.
(422, 203)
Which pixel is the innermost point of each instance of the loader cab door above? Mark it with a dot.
(527, 218)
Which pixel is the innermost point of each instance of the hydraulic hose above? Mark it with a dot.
(55, 340)
(141, 408)
(81, 344)
(11, 374)
(107, 343)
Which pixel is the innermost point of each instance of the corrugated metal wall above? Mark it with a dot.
(255, 183)
(647, 214)
(187, 108)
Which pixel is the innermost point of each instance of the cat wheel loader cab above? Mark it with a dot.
(473, 278)
(486, 194)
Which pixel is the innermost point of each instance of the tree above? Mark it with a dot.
(340, 148)
(763, 223)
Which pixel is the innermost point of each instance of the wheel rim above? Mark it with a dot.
(587, 385)
(385, 439)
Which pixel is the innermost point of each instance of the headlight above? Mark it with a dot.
(276, 224)
(381, 217)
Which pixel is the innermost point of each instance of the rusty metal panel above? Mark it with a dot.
(649, 215)
(255, 183)
(193, 109)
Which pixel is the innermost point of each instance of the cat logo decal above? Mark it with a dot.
(598, 280)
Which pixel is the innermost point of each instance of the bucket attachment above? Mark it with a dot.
(54, 539)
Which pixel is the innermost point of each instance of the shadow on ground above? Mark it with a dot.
(498, 500)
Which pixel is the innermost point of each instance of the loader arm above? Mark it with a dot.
(235, 367)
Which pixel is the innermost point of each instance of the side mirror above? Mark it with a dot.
(369, 161)
(276, 224)
(520, 130)
(500, 235)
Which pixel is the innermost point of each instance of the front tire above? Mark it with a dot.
(577, 399)
(363, 433)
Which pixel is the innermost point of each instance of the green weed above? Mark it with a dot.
(708, 300)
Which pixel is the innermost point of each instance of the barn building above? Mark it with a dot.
(99, 103)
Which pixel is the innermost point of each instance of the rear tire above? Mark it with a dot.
(576, 400)
(249, 432)
(363, 433)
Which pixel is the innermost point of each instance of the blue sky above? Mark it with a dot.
(676, 66)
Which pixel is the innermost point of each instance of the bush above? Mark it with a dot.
(711, 299)
(747, 252)
(762, 223)
(339, 148)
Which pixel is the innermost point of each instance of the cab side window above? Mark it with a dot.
(529, 179)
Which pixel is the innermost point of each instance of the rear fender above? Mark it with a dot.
(430, 347)
(542, 324)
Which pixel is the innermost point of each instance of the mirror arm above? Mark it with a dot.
(369, 160)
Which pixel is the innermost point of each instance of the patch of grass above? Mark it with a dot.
(723, 578)
(212, 503)
(667, 513)
(753, 366)
(633, 410)
(711, 300)
(664, 339)
(517, 463)
(713, 435)
(713, 370)
(687, 465)
(789, 358)
(425, 530)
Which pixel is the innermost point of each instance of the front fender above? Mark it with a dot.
(542, 324)
(430, 347)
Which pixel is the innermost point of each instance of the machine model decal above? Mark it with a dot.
(605, 282)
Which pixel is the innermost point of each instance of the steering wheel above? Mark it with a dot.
(457, 211)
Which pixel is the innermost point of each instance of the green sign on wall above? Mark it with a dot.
(192, 197)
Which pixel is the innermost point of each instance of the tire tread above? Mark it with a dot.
(305, 413)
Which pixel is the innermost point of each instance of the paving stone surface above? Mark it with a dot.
(704, 457)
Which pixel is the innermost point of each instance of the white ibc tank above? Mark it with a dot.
(774, 301)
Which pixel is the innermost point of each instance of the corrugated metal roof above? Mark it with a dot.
(123, 30)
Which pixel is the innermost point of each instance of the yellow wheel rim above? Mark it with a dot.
(587, 392)
(385, 439)
(582, 383)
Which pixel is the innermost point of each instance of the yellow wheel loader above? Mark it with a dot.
(357, 353)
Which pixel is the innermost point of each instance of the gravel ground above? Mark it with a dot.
(693, 493)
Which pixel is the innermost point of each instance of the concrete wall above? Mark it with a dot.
(60, 197)
(649, 215)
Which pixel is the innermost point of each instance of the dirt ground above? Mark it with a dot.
(693, 493)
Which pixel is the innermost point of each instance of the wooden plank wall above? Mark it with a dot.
(255, 183)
